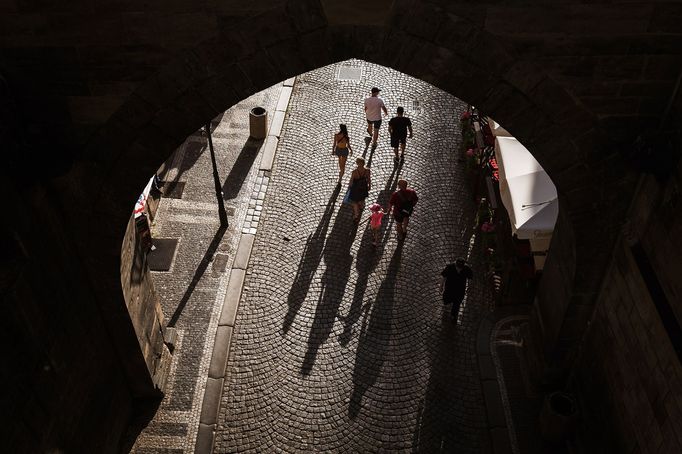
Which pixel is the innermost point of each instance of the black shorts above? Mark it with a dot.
(399, 217)
(397, 140)
(376, 123)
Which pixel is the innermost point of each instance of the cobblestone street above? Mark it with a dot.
(339, 346)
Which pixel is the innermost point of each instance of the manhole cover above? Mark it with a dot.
(161, 257)
(349, 73)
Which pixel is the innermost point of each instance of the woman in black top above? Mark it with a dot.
(360, 184)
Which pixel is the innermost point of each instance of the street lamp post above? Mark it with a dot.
(216, 179)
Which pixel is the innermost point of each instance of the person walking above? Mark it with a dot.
(360, 183)
(453, 284)
(397, 128)
(373, 107)
(341, 148)
(375, 218)
(402, 203)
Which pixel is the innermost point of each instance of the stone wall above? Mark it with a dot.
(629, 374)
(61, 372)
(143, 305)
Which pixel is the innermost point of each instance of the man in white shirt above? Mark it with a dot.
(373, 107)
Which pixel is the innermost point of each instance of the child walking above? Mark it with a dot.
(375, 221)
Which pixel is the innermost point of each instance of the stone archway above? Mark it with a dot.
(453, 55)
(133, 80)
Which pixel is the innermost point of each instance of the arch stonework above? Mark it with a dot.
(130, 82)
(448, 51)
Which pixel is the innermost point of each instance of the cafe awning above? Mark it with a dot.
(526, 190)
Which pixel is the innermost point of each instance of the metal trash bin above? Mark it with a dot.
(258, 123)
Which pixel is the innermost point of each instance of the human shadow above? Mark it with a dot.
(338, 261)
(241, 168)
(375, 337)
(310, 260)
(367, 260)
(201, 269)
(445, 397)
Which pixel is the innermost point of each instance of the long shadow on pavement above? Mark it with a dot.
(447, 400)
(338, 261)
(201, 269)
(241, 168)
(376, 337)
(367, 261)
(310, 260)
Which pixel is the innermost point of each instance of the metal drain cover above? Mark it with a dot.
(349, 73)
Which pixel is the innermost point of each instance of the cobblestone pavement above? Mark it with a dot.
(192, 291)
(340, 347)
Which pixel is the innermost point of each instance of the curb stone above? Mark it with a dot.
(221, 347)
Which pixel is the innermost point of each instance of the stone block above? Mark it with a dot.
(418, 20)
(268, 28)
(211, 403)
(307, 15)
(221, 350)
(241, 260)
(269, 153)
(284, 97)
(290, 57)
(277, 123)
(259, 69)
(205, 437)
(218, 92)
(232, 296)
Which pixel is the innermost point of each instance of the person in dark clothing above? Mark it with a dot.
(398, 127)
(402, 204)
(453, 284)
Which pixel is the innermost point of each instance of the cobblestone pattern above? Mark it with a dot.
(255, 209)
(192, 292)
(339, 347)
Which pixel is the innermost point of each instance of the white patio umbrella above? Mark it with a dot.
(527, 192)
(497, 129)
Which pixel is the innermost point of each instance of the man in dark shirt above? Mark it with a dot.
(398, 127)
(453, 284)
(402, 202)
